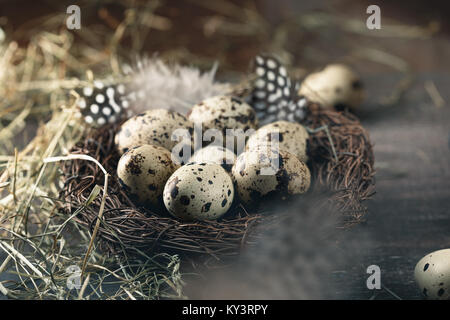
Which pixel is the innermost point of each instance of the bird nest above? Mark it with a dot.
(341, 159)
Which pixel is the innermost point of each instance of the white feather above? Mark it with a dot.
(173, 87)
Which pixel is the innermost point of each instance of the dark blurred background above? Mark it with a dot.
(405, 67)
(234, 31)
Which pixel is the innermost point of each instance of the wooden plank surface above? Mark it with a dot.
(410, 214)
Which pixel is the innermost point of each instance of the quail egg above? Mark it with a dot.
(155, 127)
(222, 113)
(215, 154)
(336, 86)
(264, 171)
(292, 137)
(432, 274)
(202, 191)
(143, 172)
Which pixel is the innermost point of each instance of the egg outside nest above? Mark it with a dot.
(336, 86)
(432, 275)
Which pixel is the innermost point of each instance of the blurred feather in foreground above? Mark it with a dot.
(293, 260)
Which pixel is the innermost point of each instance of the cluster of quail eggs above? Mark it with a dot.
(206, 185)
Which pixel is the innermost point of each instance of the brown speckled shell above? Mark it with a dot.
(143, 172)
(293, 138)
(151, 127)
(290, 177)
(432, 274)
(223, 112)
(335, 86)
(215, 154)
(201, 191)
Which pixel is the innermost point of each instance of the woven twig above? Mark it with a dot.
(351, 175)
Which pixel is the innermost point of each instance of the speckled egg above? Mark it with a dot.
(336, 86)
(223, 112)
(263, 172)
(215, 154)
(151, 127)
(292, 137)
(143, 172)
(201, 191)
(432, 274)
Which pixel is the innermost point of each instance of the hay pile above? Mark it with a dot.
(40, 249)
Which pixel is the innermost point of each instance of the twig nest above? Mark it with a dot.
(215, 154)
(336, 86)
(155, 127)
(292, 137)
(143, 172)
(130, 230)
(222, 113)
(263, 172)
(201, 191)
(432, 274)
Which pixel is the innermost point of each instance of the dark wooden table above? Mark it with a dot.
(410, 214)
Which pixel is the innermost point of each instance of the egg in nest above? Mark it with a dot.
(227, 116)
(199, 191)
(215, 154)
(264, 172)
(292, 137)
(155, 127)
(143, 172)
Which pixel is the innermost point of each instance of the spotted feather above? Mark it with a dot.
(274, 97)
(102, 103)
